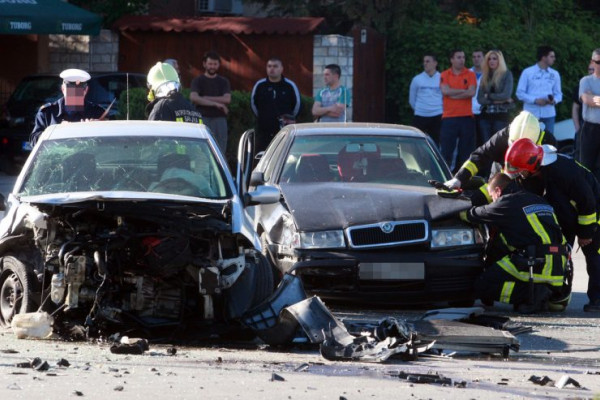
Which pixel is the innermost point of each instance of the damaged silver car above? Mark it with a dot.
(358, 220)
(123, 224)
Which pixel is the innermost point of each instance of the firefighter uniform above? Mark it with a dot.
(491, 151)
(522, 221)
(173, 107)
(574, 193)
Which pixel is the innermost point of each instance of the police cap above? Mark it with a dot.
(74, 75)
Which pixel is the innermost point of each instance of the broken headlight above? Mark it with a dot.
(452, 237)
(322, 240)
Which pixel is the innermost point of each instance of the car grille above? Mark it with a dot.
(387, 234)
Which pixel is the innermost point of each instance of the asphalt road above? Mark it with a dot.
(561, 345)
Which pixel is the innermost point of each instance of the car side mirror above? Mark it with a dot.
(262, 195)
(257, 178)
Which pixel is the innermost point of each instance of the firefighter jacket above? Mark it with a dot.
(523, 219)
(573, 192)
(493, 151)
(173, 107)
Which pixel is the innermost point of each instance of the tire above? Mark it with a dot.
(264, 281)
(17, 284)
(277, 275)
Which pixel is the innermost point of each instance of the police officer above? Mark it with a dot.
(527, 265)
(573, 192)
(166, 101)
(72, 107)
(525, 125)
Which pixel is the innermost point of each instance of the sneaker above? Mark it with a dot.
(592, 306)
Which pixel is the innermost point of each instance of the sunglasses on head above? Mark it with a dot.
(597, 62)
(76, 84)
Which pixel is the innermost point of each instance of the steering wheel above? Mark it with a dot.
(177, 186)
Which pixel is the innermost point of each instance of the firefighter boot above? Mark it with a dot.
(541, 295)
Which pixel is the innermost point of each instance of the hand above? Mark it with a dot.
(222, 107)
(584, 242)
(541, 101)
(453, 183)
(596, 100)
(336, 110)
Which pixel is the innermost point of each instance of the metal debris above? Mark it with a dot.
(567, 380)
(302, 368)
(130, 346)
(541, 380)
(63, 363)
(432, 378)
(276, 377)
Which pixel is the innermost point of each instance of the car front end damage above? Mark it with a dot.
(107, 265)
(405, 261)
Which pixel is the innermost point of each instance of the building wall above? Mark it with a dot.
(334, 49)
(90, 53)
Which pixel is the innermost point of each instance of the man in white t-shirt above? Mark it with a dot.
(425, 98)
(477, 57)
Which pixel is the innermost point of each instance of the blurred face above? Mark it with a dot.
(274, 70)
(211, 66)
(477, 58)
(329, 77)
(493, 61)
(458, 60)
(74, 93)
(429, 64)
(549, 59)
(595, 64)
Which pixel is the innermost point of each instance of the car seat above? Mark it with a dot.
(172, 160)
(356, 161)
(390, 168)
(79, 172)
(312, 168)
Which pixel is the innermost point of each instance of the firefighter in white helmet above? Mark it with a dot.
(525, 125)
(166, 101)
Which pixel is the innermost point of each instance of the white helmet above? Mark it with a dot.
(525, 125)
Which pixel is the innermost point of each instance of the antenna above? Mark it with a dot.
(127, 77)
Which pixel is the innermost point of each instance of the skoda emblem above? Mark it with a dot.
(387, 227)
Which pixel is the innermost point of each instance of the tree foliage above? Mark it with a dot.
(413, 27)
(112, 10)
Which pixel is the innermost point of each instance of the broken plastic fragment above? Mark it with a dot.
(36, 325)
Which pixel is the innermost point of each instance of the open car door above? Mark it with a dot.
(244, 164)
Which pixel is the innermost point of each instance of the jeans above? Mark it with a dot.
(461, 130)
(429, 125)
(589, 147)
(549, 123)
(218, 128)
(488, 127)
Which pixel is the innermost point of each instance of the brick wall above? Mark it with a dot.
(333, 49)
(90, 53)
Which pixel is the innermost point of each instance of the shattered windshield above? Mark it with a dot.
(369, 158)
(171, 165)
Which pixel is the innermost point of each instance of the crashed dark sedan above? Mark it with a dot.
(358, 220)
(123, 225)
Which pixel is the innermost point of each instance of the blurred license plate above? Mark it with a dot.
(26, 146)
(392, 271)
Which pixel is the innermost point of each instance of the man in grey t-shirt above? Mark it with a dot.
(589, 92)
(331, 102)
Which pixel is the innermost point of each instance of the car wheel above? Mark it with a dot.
(264, 281)
(16, 286)
(277, 275)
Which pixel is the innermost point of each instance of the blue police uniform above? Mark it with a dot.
(55, 113)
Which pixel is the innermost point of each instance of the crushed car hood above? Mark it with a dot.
(323, 206)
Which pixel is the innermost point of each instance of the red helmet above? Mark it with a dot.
(522, 155)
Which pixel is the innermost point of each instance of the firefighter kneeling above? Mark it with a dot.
(526, 258)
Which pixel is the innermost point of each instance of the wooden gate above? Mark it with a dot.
(368, 99)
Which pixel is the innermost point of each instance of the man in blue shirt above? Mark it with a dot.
(539, 88)
(425, 98)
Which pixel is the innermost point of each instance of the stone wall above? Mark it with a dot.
(90, 53)
(333, 49)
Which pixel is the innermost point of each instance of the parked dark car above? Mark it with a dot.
(17, 116)
(357, 219)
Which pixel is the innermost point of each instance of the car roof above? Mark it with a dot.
(125, 128)
(354, 128)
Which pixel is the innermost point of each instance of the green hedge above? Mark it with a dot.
(239, 119)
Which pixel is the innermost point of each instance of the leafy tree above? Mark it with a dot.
(112, 10)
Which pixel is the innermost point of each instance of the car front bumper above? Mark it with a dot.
(389, 276)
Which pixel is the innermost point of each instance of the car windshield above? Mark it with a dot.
(171, 165)
(372, 158)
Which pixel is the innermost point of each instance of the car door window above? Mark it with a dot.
(272, 156)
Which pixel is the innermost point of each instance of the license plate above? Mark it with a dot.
(392, 271)
(26, 146)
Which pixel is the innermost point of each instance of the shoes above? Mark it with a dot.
(541, 295)
(592, 306)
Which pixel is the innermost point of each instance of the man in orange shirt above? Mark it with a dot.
(458, 85)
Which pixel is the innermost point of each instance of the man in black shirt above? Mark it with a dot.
(273, 98)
